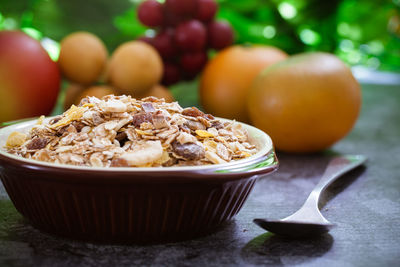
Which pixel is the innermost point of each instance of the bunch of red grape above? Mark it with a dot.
(186, 29)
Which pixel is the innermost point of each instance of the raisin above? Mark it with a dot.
(188, 151)
(192, 112)
(37, 143)
(122, 137)
(209, 117)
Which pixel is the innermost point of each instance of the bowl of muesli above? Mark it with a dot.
(119, 169)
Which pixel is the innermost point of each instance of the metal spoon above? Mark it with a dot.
(308, 220)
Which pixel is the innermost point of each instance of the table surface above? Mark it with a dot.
(365, 205)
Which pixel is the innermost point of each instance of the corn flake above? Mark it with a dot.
(204, 134)
(16, 139)
(74, 113)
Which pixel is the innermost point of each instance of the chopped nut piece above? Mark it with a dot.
(217, 125)
(148, 107)
(160, 121)
(195, 125)
(204, 121)
(139, 118)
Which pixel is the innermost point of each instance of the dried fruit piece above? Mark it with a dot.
(121, 136)
(192, 112)
(188, 151)
(37, 143)
(144, 153)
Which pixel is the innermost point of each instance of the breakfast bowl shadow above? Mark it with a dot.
(131, 205)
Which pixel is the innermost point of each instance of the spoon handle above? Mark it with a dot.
(336, 168)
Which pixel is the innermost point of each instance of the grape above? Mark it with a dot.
(191, 36)
(206, 10)
(150, 13)
(220, 34)
(164, 43)
(193, 63)
(181, 7)
(171, 74)
(171, 20)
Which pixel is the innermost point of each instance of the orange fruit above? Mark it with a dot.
(305, 103)
(158, 91)
(98, 91)
(134, 68)
(227, 78)
(82, 57)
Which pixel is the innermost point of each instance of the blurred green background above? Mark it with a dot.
(361, 32)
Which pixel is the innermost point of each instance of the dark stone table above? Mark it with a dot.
(365, 205)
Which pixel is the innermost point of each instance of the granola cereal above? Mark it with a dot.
(121, 131)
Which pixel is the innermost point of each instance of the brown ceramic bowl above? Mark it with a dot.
(134, 205)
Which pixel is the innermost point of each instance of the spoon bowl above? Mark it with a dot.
(308, 220)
